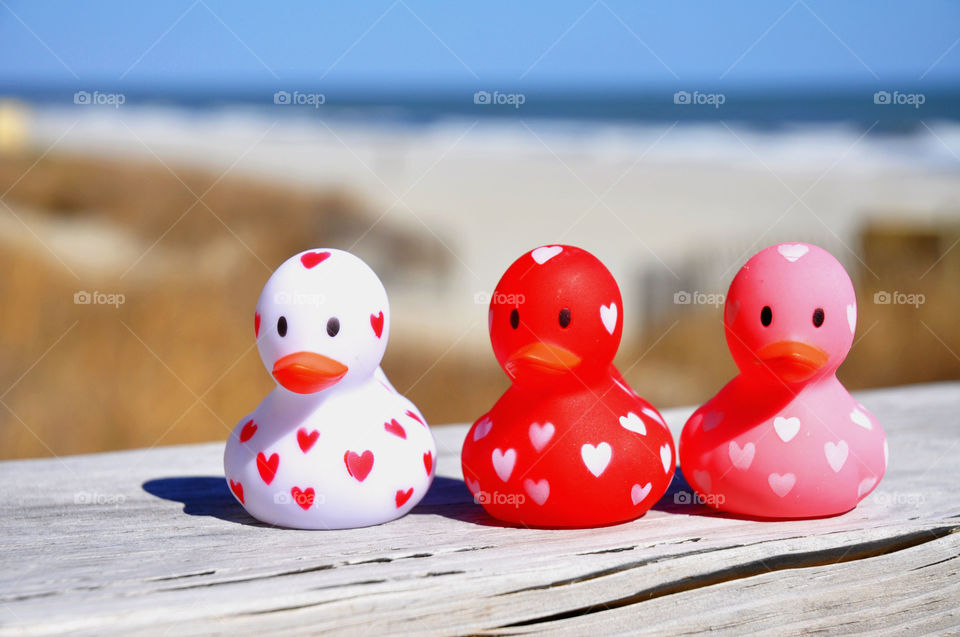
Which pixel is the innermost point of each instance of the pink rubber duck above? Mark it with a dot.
(784, 439)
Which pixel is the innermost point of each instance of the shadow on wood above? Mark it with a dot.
(210, 496)
(450, 498)
(201, 495)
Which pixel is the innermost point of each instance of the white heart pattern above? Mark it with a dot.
(865, 485)
(538, 491)
(503, 462)
(608, 314)
(544, 253)
(711, 419)
(792, 251)
(540, 435)
(633, 422)
(861, 419)
(666, 457)
(786, 428)
(596, 458)
(836, 454)
(702, 481)
(638, 494)
(886, 455)
(741, 457)
(649, 411)
(781, 484)
(483, 428)
(852, 317)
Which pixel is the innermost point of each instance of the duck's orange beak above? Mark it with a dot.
(541, 357)
(792, 361)
(308, 372)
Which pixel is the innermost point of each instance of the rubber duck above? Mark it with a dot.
(333, 445)
(784, 439)
(569, 444)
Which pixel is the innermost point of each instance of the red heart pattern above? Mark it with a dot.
(313, 259)
(248, 430)
(256, 324)
(376, 322)
(267, 467)
(395, 428)
(358, 465)
(304, 499)
(237, 489)
(403, 496)
(306, 440)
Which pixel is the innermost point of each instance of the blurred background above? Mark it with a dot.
(158, 161)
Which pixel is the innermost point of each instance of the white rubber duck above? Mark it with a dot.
(334, 445)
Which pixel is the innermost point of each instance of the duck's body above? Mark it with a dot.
(562, 444)
(776, 454)
(363, 450)
(570, 444)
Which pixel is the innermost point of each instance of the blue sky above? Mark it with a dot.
(441, 45)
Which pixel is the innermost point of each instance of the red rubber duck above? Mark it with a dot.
(569, 444)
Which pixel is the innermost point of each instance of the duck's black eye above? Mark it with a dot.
(333, 326)
(766, 315)
(282, 326)
(818, 317)
(514, 319)
(565, 317)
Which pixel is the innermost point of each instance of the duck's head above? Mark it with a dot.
(322, 320)
(555, 316)
(790, 314)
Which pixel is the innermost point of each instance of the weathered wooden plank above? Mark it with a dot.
(909, 591)
(151, 540)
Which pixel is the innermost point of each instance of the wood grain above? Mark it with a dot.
(151, 541)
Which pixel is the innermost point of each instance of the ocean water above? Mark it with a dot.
(894, 109)
(877, 126)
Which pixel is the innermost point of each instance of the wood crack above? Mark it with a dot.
(806, 559)
(619, 568)
(184, 576)
(238, 580)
